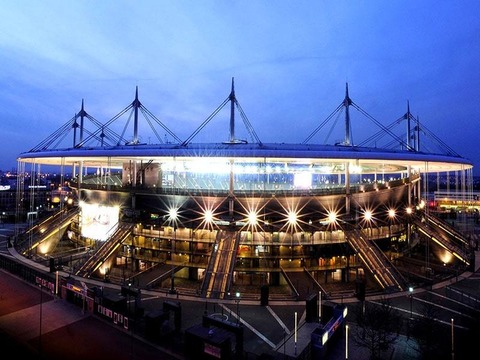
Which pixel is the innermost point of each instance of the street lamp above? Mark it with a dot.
(172, 218)
(172, 287)
(295, 337)
(409, 212)
(40, 335)
(292, 220)
(368, 218)
(237, 300)
(453, 352)
(391, 216)
(320, 306)
(410, 294)
(346, 341)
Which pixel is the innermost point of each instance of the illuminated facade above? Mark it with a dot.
(233, 213)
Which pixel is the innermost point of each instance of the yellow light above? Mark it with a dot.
(332, 217)
(172, 214)
(367, 215)
(325, 338)
(445, 256)
(252, 218)
(391, 213)
(208, 216)
(292, 217)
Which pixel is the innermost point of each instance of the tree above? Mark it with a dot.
(378, 327)
(426, 332)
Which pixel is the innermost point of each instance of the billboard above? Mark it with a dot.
(98, 222)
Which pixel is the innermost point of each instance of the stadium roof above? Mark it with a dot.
(102, 146)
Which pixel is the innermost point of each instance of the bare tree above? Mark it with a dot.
(426, 333)
(378, 327)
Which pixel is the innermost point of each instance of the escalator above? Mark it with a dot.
(106, 250)
(51, 228)
(444, 235)
(375, 260)
(219, 272)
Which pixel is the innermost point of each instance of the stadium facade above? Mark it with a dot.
(219, 218)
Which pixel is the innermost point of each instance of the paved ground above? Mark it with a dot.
(34, 323)
(67, 332)
(38, 325)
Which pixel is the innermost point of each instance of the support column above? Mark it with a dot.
(347, 188)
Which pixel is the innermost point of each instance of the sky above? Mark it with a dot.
(290, 61)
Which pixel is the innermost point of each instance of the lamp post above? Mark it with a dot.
(56, 283)
(368, 218)
(409, 211)
(84, 296)
(237, 300)
(295, 337)
(453, 343)
(346, 341)
(292, 219)
(320, 306)
(172, 219)
(172, 286)
(130, 323)
(410, 294)
(40, 326)
(391, 217)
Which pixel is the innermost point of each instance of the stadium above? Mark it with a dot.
(272, 220)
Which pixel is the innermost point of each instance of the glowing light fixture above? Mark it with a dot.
(391, 213)
(292, 217)
(173, 214)
(332, 217)
(208, 216)
(252, 218)
(368, 215)
(422, 204)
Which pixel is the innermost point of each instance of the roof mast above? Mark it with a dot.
(347, 102)
(409, 136)
(232, 112)
(136, 104)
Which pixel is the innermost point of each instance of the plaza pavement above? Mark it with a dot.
(39, 324)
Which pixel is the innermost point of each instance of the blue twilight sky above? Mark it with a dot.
(290, 61)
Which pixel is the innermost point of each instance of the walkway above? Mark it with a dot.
(40, 323)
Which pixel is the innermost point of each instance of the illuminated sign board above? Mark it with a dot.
(98, 222)
(212, 350)
(321, 335)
